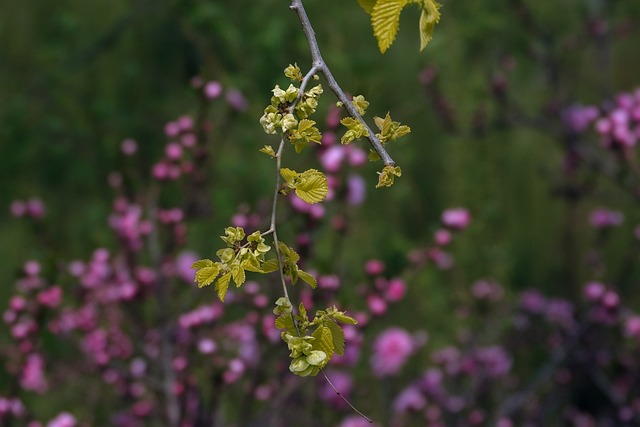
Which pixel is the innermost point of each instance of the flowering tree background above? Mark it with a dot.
(493, 285)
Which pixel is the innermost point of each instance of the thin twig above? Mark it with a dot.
(321, 66)
(345, 399)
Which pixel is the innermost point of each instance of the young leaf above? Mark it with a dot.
(337, 335)
(289, 175)
(313, 186)
(309, 279)
(206, 275)
(428, 20)
(202, 264)
(222, 285)
(268, 150)
(323, 341)
(269, 266)
(239, 277)
(385, 20)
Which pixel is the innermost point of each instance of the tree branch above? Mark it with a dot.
(321, 66)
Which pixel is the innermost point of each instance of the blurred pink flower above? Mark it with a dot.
(391, 350)
(184, 261)
(458, 218)
(373, 267)
(605, 218)
(129, 147)
(212, 89)
(357, 190)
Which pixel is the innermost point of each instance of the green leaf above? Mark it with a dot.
(308, 278)
(269, 266)
(222, 285)
(313, 186)
(385, 20)
(367, 5)
(428, 20)
(206, 275)
(202, 264)
(285, 322)
(289, 175)
(386, 178)
(323, 341)
(268, 150)
(337, 335)
(238, 275)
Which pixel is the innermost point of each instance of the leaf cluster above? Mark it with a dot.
(239, 256)
(312, 343)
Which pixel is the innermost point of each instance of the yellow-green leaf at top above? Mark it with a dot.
(313, 186)
(367, 5)
(428, 20)
(385, 20)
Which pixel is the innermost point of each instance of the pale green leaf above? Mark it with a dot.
(268, 150)
(323, 341)
(289, 175)
(367, 5)
(428, 20)
(285, 322)
(202, 264)
(337, 335)
(239, 277)
(385, 20)
(313, 186)
(205, 276)
(269, 266)
(222, 285)
(308, 278)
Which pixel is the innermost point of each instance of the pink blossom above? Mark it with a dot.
(212, 89)
(356, 190)
(173, 151)
(35, 208)
(356, 156)
(32, 377)
(207, 346)
(593, 291)
(237, 100)
(18, 208)
(356, 421)
(458, 218)
(632, 327)
(185, 123)
(50, 297)
(332, 158)
(183, 264)
(410, 399)
(391, 350)
(171, 129)
(605, 218)
(63, 419)
(377, 305)
(188, 140)
(32, 268)
(442, 237)
(374, 267)
(129, 147)
(396, 290)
